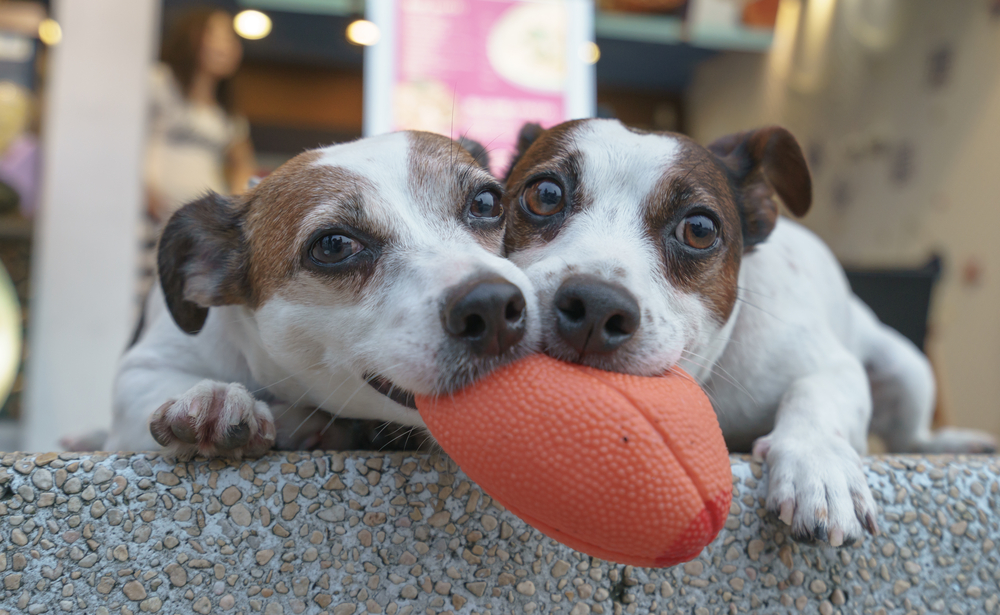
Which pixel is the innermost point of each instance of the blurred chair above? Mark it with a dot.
(901, 298)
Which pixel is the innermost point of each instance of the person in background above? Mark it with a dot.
(197, 142)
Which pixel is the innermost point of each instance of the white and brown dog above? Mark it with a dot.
(350, 279)
(649, 251)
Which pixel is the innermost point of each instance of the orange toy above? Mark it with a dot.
(629, 469)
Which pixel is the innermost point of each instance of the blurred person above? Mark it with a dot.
(197, 142)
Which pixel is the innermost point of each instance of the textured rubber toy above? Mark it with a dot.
(628, 469)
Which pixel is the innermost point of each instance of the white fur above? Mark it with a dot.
(309, 346)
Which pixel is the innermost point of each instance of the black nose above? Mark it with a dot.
(487, 315)
(594, 316)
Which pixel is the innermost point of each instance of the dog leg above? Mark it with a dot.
(214, 419)
(815, 480)
(902, 385)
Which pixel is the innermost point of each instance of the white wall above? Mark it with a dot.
(87, 235)
(857, 114)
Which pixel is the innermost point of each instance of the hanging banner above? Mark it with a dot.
(479, 68)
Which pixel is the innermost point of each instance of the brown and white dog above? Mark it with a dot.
(649, 251)
(350, 279)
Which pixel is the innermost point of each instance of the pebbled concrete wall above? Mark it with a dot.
(402, 533)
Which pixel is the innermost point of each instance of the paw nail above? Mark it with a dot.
(787, 508)
(870, 525)
(836, 537)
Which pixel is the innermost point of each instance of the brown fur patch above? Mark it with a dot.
(442, 178)
(275, 210)
(550, 153)
(697, 179)
(202, 260)
(762, 163)
(445, 177)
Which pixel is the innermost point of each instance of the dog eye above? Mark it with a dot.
(333, 249)
(486, 205)
(698, 231)
(544, 198)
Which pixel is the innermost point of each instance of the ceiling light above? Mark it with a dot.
(590, 52)
(363, 32)
(49, 32)
(252, 25)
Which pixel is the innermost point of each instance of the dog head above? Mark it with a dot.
(633, 240)
(379, 259)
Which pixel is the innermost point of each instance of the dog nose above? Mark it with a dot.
(487, 315)
(594, 316)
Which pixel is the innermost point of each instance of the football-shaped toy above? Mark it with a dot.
(628, 469)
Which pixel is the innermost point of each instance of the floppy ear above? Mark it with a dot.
(761, 163)
(477, 151)
(529, 134)
(203, 260)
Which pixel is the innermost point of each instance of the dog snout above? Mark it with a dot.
(486, 315)
(595, 316)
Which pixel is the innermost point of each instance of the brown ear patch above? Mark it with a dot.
(696, 177)
(763, 163)
(528, 134)
(202, 260)
(478, 152)
(276, 209)
(551, 152)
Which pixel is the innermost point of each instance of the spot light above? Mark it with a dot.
(590, 53)
(252, 25)
(363, 32)
(49, 32)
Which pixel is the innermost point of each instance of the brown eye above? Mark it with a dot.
(486, 205)
(698, 231)
(544, 198)
(333, 249)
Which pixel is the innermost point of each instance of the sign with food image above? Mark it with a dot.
(482, 68)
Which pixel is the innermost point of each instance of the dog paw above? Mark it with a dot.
(959, 441)
(214, 419)
(818, 488)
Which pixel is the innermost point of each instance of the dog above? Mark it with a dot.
(649, 251)
(351, 279)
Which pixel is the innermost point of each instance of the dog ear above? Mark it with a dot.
(529, 134)
(202, 260)
(764, 162)
(477, 151)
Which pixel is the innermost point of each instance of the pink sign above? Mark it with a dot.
(480, 69)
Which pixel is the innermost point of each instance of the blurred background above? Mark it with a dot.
(114, 112)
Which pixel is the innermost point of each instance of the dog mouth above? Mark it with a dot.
(390, 390)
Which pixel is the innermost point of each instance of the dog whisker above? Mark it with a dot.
(366, 382)
(268, 386)
(304, 421)
(721, 373)
(756, 292)
(757, 307)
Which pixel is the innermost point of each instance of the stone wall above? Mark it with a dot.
(402, 533)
